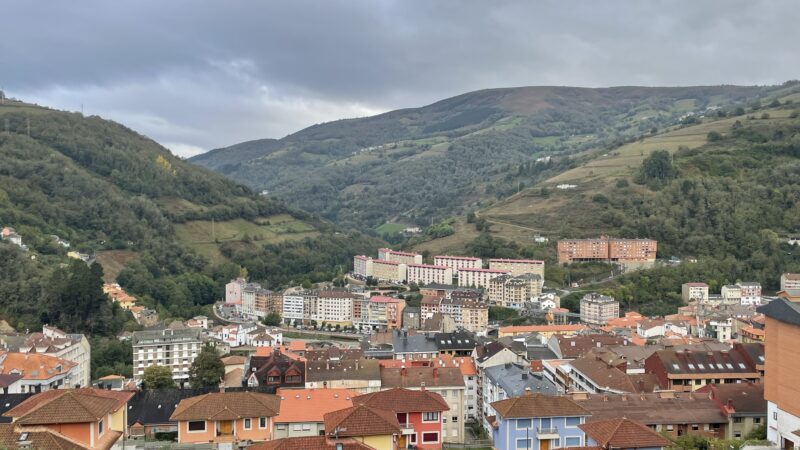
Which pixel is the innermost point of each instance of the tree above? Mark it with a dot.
(207, 369)
(272, 319)
(657, 168)
(158, 377)
(713, 136)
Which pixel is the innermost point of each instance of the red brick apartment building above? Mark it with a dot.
(626, 251)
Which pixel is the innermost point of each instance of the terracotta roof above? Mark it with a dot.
(542, 328)
(68, 406)
(415, 376)
(361, 420)
(746, 398)
(310, 443)
(538, 405)
(622, 433)
(402, 400)
(234, 360)
(576, 345)
(605, 373)
(227, 406)
(40, 438)
(297, 346)
(34, 366)
(311, 405)
(653, 409)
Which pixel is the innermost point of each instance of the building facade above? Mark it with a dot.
(387, 254)
(175, 349)
(458, 262)
(478, 278)
(427, 274)
(597, 309)
(518, 267)
(694, 291)
(624, 251)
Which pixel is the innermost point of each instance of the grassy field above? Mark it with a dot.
(113, 261)
(177, 205)
(454, 243)
(391, 228)
(205, 239)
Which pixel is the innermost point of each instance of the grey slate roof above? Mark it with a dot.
(414, 343)
(514, 378)
(782, 310)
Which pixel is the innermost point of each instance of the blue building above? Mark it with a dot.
(537, 421)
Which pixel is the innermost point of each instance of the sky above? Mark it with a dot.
(201, 75)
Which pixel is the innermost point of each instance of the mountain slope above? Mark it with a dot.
(175, 231)
(422, 164)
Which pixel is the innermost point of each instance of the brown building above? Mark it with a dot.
(742, 403)
(625, 251)
(269, 302)
(689, 370)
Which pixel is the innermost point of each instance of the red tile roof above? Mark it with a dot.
(227, 406)
(311, 405)
(310, 443)
(402, 400)
(361, 421)
(68, 406)
(538, 405)
(623, 433)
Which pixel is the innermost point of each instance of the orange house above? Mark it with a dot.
(226, 417)
(91, 418)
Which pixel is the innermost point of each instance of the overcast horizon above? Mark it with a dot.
(200, 76)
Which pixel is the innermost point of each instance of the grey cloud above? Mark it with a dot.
(205, 74)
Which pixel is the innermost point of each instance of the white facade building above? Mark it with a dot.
(175, 349)
(458, 262)
(427, 274)
(478, 277)
(293, 308)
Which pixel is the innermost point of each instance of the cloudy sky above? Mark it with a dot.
(200, 75)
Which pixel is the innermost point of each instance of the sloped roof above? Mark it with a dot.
(68, 406)
(40, 438)
(782, 310)
(514, 379)
(227, 406)
(605, 374)
(34, 366)
(415, 376)
(653, 409)
(309, 443)
(538, 405)
(311, 405)
(361, 420)
(622, 433)
(402, 400)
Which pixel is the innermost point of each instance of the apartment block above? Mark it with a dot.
(474, 316)
(389, 270)
(624, 251)
(378, 312)
(233, 291)
(427, 274)
(731, 293)
(268, 302)
(689, 370)
(598, 309)
(458, 262)
(518, 267)
(751, 293)
(362, 266)
(335, 307)
(478, 277)
(387, 254)
(513, 292)
(293, 308)
(790, 281)
(175, 349)
(694, 292)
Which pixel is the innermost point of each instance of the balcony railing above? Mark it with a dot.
(540, 431)
(407, 428)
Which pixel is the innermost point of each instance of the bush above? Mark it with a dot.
(622, 183)
(713, 136)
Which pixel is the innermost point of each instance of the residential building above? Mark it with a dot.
(377, 428)
(362, 266)
(302, 411)
(597, 309)
(39, 373)
(653, 328)
(751, 293)
(119, 296)
(430, 305)
(84, 418)
(71, 347)
(731, 293)
(537, 422)
(576, 345)
(11, 383)
(478, 278)
(694, 291)
(413, 345)
(361, 375)
(293, 308)
(445, 381)
(233, 291)
(474, 316)
(689, 370)
(623, 251)
(268, 302)
(742, 403)
(604, 372)
(514, 292)
(719, 327)
(622, 434)
(490, 355)
(175, 349)
(518, 267)
(790, 281)
(223, 417)
(511, 380)
(427, 273)
(545, 331)
(459, 343)
(334, 307)
(670, 413)
(387, 254)
(412, 318)
(378, 312)
(458, 262)
(391, 271)
(420, 413)
(278, 369)
(782, 364)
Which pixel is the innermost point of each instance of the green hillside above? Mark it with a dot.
(146, 214)
(421, 165)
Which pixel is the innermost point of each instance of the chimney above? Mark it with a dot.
(402, 371)
(730, 404)
(435, 373)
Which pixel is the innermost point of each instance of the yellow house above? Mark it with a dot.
(374, 427)
(546, 331)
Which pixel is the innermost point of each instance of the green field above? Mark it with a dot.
(391, 228)
(205, 237)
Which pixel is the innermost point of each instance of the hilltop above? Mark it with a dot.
(170, 231)
(420, 165)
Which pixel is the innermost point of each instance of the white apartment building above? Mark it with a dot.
(598, 309)
(248, 296)
(293, 308)
(362, 266)
(518, 267)
(694, 291)
(387, 254)
(175, 349)
(478, 277)
(751, 293)
(427, 274)
(334, 307)
(731, 293)
(790, 281)
(458, 262)
(389, 271)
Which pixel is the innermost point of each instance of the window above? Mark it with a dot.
(262, 422)
(738, 419)
(572, 441)
(523, 423)
(100, 428)
(775, 415)
(670, 427)
(695, 427)
(756, 420)
(293, 379)
(454, 419)
(281, 426)
(573, 421)
(430, 438)
(524, 444)
(297, 427)
(248, 424)
(197, 425)
(274, 379)
(430, 417)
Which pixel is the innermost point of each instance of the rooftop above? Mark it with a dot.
(310, 442)
(414, 377)
(310, 405)
(400, 400)
(68, 406)
(361, 420)
(33, 366)
(652, 409)
(622, 433)
(538, 405)
(227, 406)
(516, 379)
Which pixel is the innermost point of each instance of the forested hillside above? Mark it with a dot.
(105, 189)
(421, 165)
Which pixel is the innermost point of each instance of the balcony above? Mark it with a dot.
(545, 434)
(406, 428)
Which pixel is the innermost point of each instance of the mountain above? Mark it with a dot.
(421, 165)
(171, 232)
